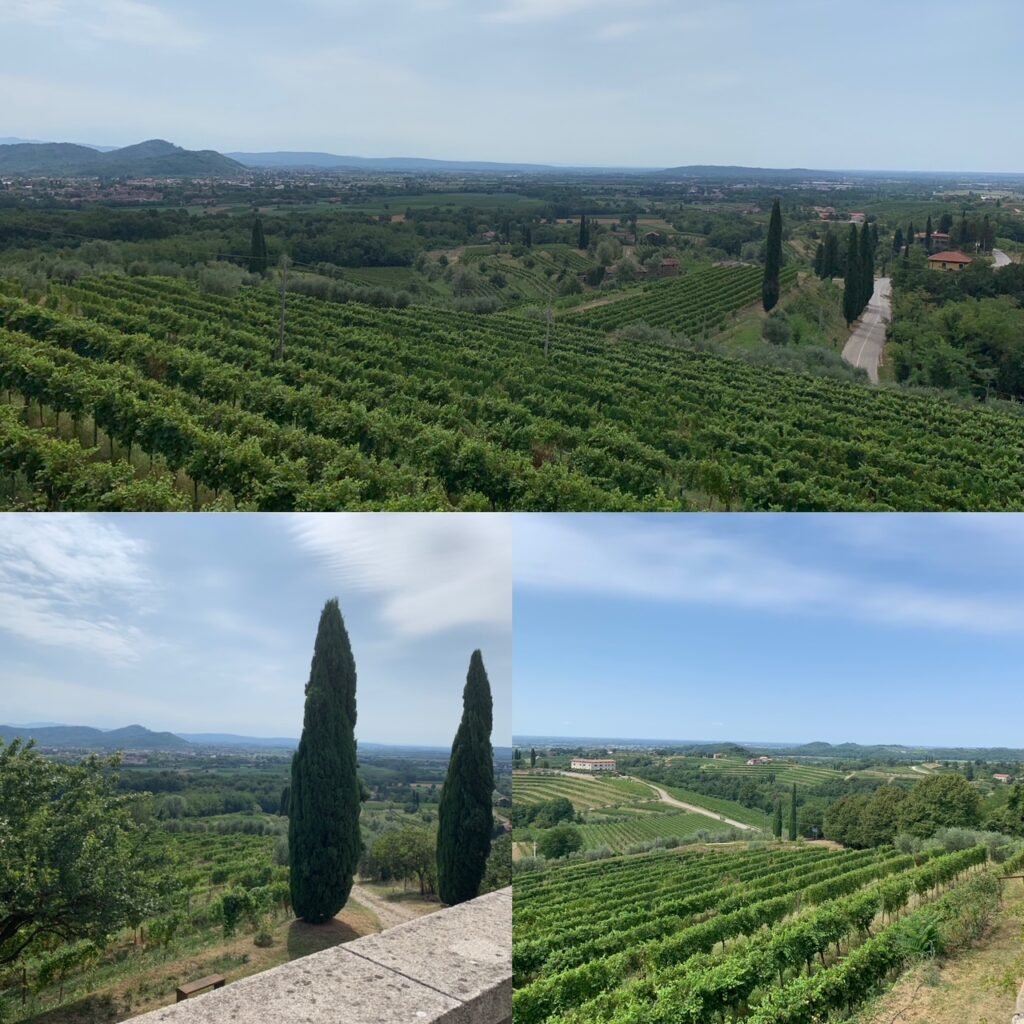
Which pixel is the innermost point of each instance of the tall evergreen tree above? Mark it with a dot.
(928, 234)
(323, 827)
(910, 233)
(831, 254)
(777, 823)
(771, 286)
(897, 241)
(792, 813)
(584, 240)
(257, 249)
(866, 258)
(852, 279)
(465, 819)
(819, 259)
(533, 758)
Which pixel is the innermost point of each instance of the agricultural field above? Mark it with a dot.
(697, 305)
(141, 393)
(585, 793)
(784, 772)
(770, 934)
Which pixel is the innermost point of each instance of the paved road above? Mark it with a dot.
(666, 799)
(864, 347)
(1000, 257)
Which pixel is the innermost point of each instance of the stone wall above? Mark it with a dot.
(453, 966)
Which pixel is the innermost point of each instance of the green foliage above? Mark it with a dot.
(852, 304)
(405, 853)
(771, 286)
(465, 819)
(257, 249)
(559, 841)
(940, 801)
(499, 865)
(74, 864)
(323, 835)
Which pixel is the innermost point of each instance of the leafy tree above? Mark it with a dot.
(407, 853)
(881, 818)
(792, 813)
(323, 827)
(771, 286)
(465, 818)
(842, 820)
(559, 841)
(552, 811)
(257, 249)
(940, 801)
(75, 865)
(499, 865)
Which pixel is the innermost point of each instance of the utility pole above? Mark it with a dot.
(279, 354)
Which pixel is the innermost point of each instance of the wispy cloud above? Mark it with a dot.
(432, 572)
(60, 575)
(124, 21)
(685, 561)
(521, 12)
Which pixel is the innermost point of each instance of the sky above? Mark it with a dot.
(206, 623)
(774, 83)
(903, 629)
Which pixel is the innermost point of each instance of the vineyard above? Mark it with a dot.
(699, 304)
(584, 793)
(785, 772)
(144, 393)
(771, 935)
(222, 885)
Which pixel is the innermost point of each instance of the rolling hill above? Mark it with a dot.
(134, 737)
(154, 158)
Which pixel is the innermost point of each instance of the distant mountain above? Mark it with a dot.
(11, 140)
(153, 159)
(131, 737)
(330, 161)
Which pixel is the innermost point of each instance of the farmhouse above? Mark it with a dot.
(1004, 779)
(668, 268)
(949, 261)
(759, 760)
(592, 764)
(719, 757)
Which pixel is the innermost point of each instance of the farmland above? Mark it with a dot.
(772, 933)
(147, 393)
(619, 814)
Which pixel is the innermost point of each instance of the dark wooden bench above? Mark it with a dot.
(212, 981)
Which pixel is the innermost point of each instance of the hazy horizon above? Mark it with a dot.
(525, 81)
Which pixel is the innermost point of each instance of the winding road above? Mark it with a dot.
(864, 347)
(666, 799)
(1000, 258)
(389, 914)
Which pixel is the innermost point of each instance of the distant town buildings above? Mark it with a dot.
(592, 764)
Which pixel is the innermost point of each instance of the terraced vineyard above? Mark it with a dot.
(781, 935)
(584, 793)
(699, 304)
(631, 826)
(145, 393)
(784, 771)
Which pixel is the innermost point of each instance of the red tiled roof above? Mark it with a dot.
(949, 257)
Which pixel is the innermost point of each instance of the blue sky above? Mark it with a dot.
(920, 84)
(870, 629)
(206, 623)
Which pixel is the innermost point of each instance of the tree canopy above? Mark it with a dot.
(74, 863)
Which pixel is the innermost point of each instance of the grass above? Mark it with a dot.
(977, 987)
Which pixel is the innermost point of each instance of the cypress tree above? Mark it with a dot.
(286, 794)
(533, 758)
(771, 286)
(257, 249)
(584, 232)
(852, 280)
(910, 233)
(792, 813)
(928, 234)
(323, 827)
(897, 241)
(819, 260)
(866, 258)
(831, 254)
(777, 823)
(464, 816)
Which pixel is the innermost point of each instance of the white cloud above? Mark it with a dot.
(59, 576)
(684, 561)
(124, 21)
(433, 572)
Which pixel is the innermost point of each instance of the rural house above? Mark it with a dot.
(949, 261)
(592, 764)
